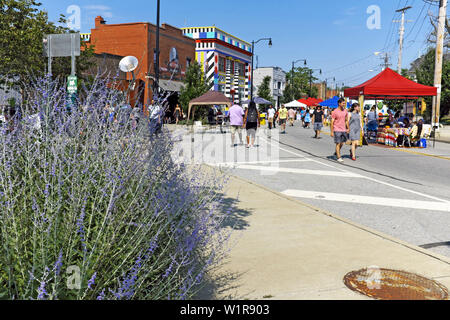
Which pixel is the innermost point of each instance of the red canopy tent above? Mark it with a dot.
(310, 101)
(390, 85)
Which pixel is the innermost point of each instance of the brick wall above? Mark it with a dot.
(139, 40)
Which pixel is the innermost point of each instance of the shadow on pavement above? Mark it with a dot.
(221, 286)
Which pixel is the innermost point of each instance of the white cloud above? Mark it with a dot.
(351, 11)
(97, 8)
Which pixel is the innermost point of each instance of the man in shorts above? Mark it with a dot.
(318, 120)
(270, 116)
(236, 121)
(339, 127)
(283, 114)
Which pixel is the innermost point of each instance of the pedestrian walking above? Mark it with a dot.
(318, 120)
(302, 114)
(236, 122)
(339, 127)
(178, 114)
(372, 122)
(271, 116)
(283, 114)
(355, 128)
(307, 118)
(251, 123)
(291, 114)
(156, 118)
(275, 118)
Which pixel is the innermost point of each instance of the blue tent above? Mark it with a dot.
(333, 103)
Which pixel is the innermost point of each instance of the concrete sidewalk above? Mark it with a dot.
(287, 250)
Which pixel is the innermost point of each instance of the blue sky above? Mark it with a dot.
(332, 35)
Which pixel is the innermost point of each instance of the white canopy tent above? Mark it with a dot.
(295, 104)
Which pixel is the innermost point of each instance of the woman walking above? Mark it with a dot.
(355, 126)
(178, 113)
(307, 118)
(251, 122)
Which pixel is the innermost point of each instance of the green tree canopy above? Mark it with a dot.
(23, 26)
(425, 75)
(297, 84)
(195, 85)
(264, 89)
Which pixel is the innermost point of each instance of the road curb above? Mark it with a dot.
(356, 225)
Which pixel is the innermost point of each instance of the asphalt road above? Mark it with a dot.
(404, 193)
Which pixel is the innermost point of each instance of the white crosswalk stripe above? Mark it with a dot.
(301, 171)
(380, 201)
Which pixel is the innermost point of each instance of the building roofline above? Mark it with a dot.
(229, 34)
(271, 68)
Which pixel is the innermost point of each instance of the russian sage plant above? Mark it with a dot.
(94, 207)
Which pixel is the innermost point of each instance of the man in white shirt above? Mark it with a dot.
(155, 118)
(271, 116)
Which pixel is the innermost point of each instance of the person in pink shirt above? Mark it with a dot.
(291, 114)
(236, 121)
(339, 127)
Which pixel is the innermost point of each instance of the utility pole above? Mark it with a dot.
(402, 33)
(438, 63)
(386, 61)
(292, 75)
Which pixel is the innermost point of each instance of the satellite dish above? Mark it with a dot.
(128, 64)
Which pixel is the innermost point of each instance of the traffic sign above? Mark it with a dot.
(72, 84)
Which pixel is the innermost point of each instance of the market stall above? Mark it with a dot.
(388, 85)
(208, 99)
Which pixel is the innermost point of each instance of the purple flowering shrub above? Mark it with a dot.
(97, 209)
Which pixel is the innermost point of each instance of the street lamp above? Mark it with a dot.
(156, 82)
(253, 54)
(292, 75)
(326, 85)
(311, 71)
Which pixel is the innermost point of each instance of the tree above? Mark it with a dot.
(195, 86)
(264, 89)
(298, 84)
(425, 75)
(22, 29)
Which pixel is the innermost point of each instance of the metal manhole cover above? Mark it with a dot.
(385, 284)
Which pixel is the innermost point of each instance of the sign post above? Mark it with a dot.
(72, 89)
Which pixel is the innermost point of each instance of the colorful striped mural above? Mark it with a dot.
(225, 60)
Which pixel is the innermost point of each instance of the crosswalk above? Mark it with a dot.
(327, 173)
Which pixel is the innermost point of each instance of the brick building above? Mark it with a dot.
(139, 39)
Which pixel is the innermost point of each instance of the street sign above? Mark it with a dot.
(62, 45)
(72, 84)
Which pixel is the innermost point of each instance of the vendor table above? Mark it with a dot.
(388, 136)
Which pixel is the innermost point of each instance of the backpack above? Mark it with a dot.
(252, 115)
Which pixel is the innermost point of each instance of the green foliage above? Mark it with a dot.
(22, 28)
(101, 197)
(264, 89)
(298, 84)
(425, 75)
(195, 86)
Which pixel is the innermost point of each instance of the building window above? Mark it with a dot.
(221, 64)
(228, 64)
(188, 62)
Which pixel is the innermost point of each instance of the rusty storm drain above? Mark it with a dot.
(384, 284)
